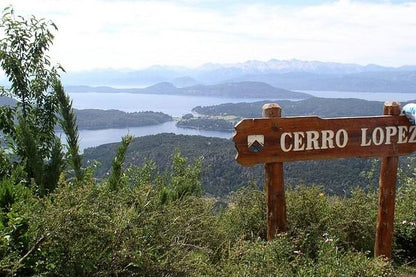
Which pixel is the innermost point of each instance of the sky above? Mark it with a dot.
(135, 34)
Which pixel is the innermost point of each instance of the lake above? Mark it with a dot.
(91, 138)
(176, 106)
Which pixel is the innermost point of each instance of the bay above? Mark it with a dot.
(176, 106)
(92, 138)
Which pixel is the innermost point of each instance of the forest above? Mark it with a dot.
(57, 219)
(102, 119)
(222, 175)
(323, 107)
(215, 124)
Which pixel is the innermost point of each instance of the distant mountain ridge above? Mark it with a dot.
(231, 89)
(287, 74)
(294, 65)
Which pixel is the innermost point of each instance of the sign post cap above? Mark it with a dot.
(272, 110)
(391, 108)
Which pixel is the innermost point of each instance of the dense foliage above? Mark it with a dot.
(32, 147)
(221, 174)
(102, 119)
(207, 124)
(135, 230)
(323, 107)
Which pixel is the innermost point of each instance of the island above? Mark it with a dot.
(209, 124)
(102, 119)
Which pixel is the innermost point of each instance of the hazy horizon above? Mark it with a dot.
(178, 66)
(137, 34)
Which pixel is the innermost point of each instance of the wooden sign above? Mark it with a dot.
(276, 139)
(273, 140)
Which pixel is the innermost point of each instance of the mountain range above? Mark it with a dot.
(286, 74)
(232, 89)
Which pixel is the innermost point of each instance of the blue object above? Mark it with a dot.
(410, 111)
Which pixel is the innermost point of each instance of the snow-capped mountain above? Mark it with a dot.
(287, 74)
(294, 65)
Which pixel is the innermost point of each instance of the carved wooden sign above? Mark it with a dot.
(273, 140)
(282, 139)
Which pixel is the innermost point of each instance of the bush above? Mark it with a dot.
(404, 250)
(245, 217)
(15, 241)
(353, 220)
(91, 229)
(308, 212)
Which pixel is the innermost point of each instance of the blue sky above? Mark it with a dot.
(134, 34)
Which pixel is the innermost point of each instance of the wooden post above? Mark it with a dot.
(275, 192)
(387, 194)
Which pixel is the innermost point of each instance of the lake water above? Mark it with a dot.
(176, 106)
(91, 138)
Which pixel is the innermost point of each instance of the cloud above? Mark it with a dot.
(136, 34)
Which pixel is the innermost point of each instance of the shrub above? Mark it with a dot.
(404, 250)
(353, 220)
(245, 217)
(308, 212)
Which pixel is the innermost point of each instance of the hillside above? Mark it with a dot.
(208, 124)
(221, 174)
(244, 90)
(323, 107)
(229, 89)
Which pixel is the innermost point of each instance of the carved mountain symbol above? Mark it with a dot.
(255, 143)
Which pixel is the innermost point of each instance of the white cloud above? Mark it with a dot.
(136, 34)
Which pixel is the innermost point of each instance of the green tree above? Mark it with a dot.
(68, 122)
(117, 177)
(29, 125)
(182, 179)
